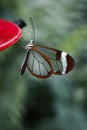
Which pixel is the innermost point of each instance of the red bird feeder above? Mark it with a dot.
(10, 33)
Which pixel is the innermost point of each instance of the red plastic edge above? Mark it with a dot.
(10, 33)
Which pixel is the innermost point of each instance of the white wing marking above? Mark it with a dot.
(64, 62)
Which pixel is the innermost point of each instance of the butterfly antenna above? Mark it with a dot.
(33, 29)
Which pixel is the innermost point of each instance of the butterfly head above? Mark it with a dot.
(29, 45)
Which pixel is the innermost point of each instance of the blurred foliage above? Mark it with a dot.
(57, 103)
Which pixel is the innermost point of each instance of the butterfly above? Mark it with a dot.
(43, 61)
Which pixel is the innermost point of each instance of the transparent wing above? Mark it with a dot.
(38, 64)
(61, 62)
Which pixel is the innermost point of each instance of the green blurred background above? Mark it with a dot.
(56, 103)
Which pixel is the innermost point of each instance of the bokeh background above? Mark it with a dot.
(56, 103)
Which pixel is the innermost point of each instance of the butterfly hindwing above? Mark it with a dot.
(38, 65)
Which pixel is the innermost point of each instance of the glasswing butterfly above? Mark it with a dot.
(43, 61)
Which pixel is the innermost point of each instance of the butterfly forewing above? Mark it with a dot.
(38, 64)
(61, 62)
